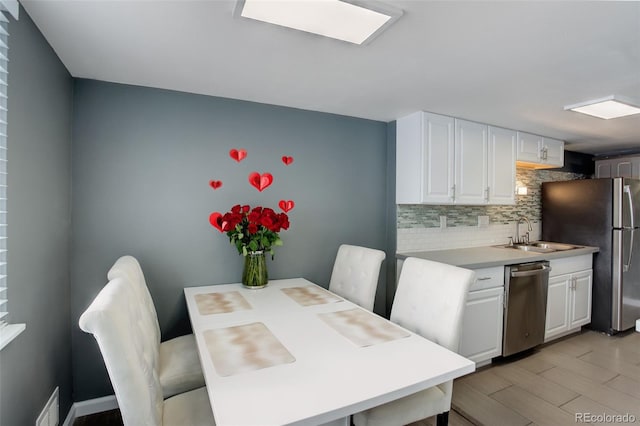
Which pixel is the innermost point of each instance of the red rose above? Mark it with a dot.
(252, 228)
(230, 221)
(254, 217)
(267, 222)
(235, 209)
(245, 209)
(284, 220)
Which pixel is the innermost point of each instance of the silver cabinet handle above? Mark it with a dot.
(483, 278)
(530, 273)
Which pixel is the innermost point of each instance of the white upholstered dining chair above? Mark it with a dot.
(179, 364)
(118, 325)
(430, 300)
(355, 274)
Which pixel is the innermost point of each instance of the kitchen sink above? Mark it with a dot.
(530, 247)
(541, 247)
(554, 246)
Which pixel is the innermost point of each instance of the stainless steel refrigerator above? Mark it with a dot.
(603, 213)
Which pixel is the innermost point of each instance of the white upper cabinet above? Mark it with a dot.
(502, 168)
(553, 152)
(529, 147)
(539, 152)
(471, 163)
(442, 160)
(424, 159)
(618, 167)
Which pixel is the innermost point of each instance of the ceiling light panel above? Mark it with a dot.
(330, 18)
(606, 108)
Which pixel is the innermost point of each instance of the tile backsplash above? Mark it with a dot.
(419, 224)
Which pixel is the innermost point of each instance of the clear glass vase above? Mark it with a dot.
(254, 274)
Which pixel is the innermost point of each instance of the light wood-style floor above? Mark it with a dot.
(585, 373)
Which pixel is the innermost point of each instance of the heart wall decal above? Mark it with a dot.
(287, 160)
(215, 219)
(215, 184)
(260, 181)
(238, 154)
(286, 205)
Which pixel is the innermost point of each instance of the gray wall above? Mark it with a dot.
(142, 160)
(39, 152)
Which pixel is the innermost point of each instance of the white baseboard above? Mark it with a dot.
(90, 406)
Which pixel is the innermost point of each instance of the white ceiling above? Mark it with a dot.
(511, 64)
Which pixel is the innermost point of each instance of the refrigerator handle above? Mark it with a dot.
(627, 264)
(627, 191)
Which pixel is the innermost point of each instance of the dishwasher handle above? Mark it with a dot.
(530, 272)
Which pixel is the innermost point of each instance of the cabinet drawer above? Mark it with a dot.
(568, 265)
(488, 278)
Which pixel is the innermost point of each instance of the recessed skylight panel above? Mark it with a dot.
(329, 18)
(605, 108)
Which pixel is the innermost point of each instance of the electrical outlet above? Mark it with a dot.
(483, 221)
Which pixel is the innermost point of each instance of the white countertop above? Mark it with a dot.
(484, 257)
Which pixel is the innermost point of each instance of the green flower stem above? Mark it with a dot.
(255, 273)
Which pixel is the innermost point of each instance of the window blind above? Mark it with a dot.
(4, 62)
(8, 332)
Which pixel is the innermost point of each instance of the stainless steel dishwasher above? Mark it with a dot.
(525, 310)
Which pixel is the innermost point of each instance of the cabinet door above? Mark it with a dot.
(635, 165)
(502, 165)
(424, 159)
(557, 320)
(471, 154)
(529, 147)
(481, 336)
(581, 283)
(604, 169)
(553, 152)
(624, 168)
(437, 158)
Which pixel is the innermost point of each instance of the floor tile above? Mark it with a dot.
(486, 382)
(626, 385)
(605, 395)
(482, 409)
(530, 406)
(575, 365)
(582, 405)
(613, 364)
(535, 384)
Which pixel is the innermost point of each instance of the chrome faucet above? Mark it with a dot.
(529, 228)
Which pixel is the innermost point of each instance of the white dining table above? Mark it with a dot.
(295, 353)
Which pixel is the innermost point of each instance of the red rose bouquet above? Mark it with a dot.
(253, 230)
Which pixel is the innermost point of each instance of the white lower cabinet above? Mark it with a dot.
(569, 298)
(481, 336)
(557, 321)
(581, 299)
